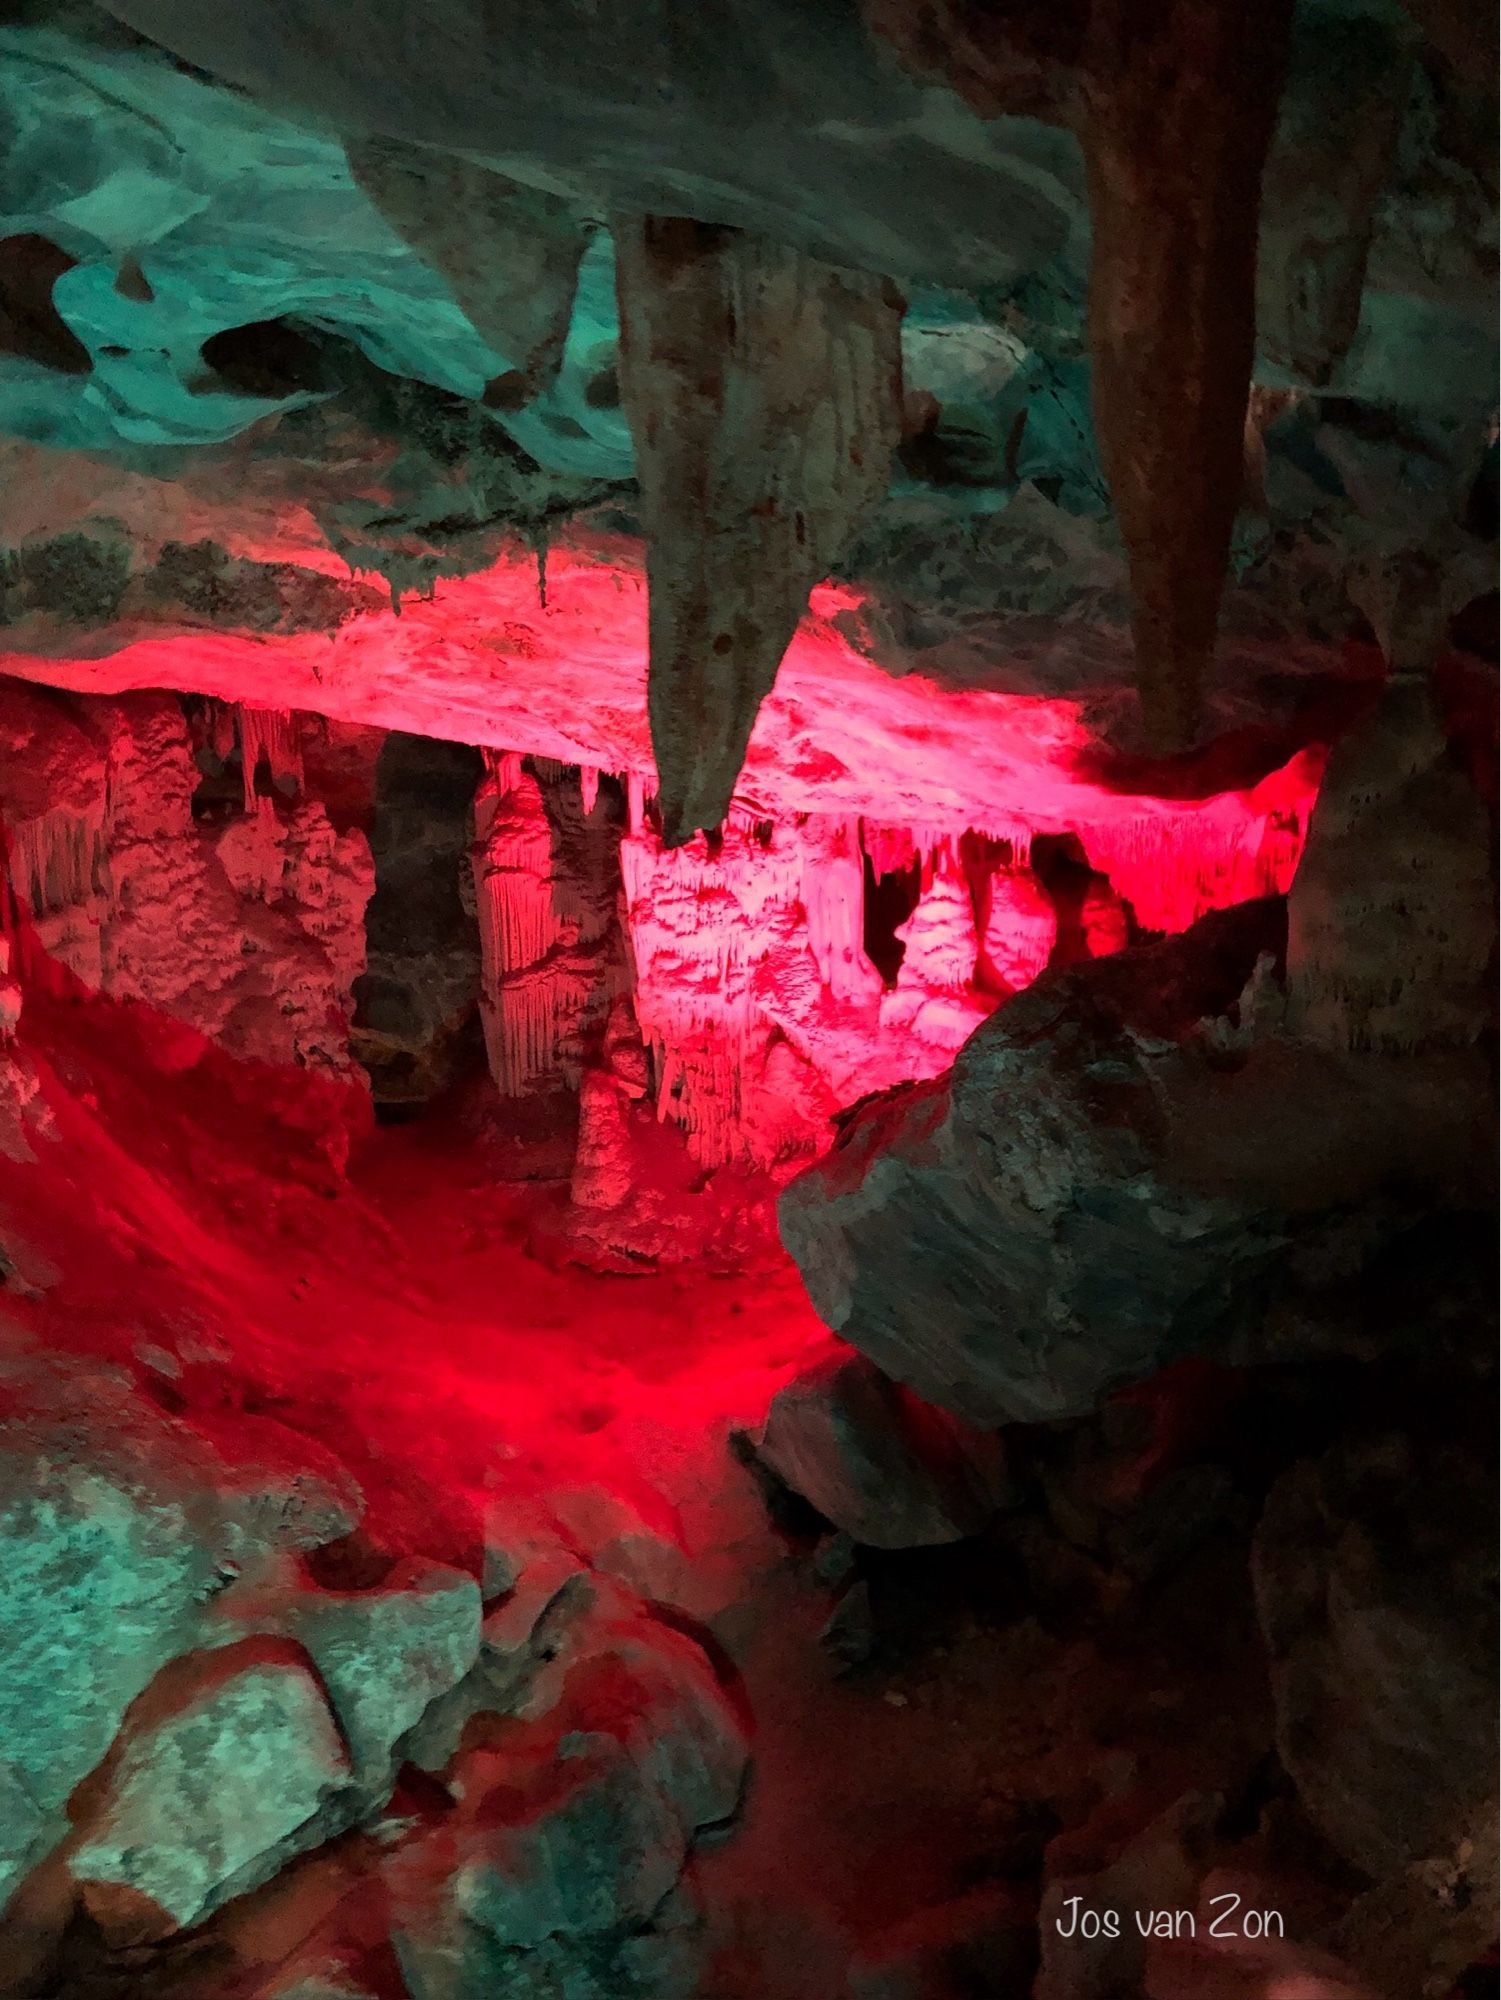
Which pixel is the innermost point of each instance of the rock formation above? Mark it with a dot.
(747, 835)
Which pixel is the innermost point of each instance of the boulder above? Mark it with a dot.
(223, 1776)
(385, 1655)
(1128, 1164)
(1376, 1595)
(889, 1470)
(118, 1526)
(1008, 1240)
(558, 1870)
(525, 1645)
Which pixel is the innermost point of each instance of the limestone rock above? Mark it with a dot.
(1377, 1600)
(510, 254)
(546, 902)
(1392, 914)
(563, 1856)
(1324, 173)
(1008, 1240)
(889, 1470)
(118, 1525)
(526, 1646)
(251, 932)
(764, 392)
(1019, 930)
(1110, 1179)
(208, 1797)
(385, 1655)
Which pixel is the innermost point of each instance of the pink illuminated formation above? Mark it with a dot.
(878, 817)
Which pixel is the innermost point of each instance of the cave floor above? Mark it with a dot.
(248, 1246)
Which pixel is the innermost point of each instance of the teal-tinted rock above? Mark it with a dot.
(208, 1799)
(118, 1526)
(386, 1654)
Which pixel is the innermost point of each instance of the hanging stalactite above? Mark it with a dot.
(763, 389)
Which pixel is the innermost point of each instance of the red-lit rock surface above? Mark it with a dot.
(250, 928)
(744, 955)
(486, 661)
(302, 1358)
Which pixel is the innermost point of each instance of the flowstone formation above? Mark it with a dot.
(747, 940)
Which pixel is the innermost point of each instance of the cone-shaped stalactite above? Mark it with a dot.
(1179, 101)
(1175, 102)
(763, 389)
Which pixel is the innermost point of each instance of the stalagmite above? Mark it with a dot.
(518, 924)
(934, 995)
(834, 898)
(545, 918)
(1179, 97)
(763, 389)
(751, 987)
(1019, 931)
(940, 936)
(1103, 923)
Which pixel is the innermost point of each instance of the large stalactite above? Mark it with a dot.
(1179, 102)
(764, 393)
(1174, 103)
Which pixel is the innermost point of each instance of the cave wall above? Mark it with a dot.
(247, 925)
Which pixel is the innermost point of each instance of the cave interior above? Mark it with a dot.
(747, 1000)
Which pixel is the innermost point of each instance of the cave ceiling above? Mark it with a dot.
(330, 286)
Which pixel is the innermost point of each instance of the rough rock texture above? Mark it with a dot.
(1377, 1599)
(383, 1656)
(639, 1194)
(546, 885)
(510, 254)
(1327, 163)
(575, 1817)
(1020, 929)
(938, 732)
(1179, 102)
(1391, 918)
(251, 929)
(1102, 1183)
(934, 998)
(119, 1526)
(209, 1798)
(764, 393)
(889, 1470)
